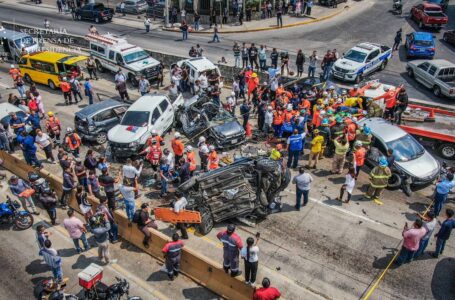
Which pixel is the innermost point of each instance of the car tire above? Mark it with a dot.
(358, 79)
(28, 79)
(394, 182)
(51, 84)
(99, 66)
(101, 138)
(206, 224)
(410, 73)
(133, 80)
(97, 20)
(383, 65)
(444, 37)
(79, 17)
(437, 91)
(260, 212)
(447, 151)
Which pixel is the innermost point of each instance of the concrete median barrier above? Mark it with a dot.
(199, 268)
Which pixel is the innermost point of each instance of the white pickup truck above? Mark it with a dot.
(361, 60)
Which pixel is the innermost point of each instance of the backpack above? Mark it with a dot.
(74, 86)
(137, 217)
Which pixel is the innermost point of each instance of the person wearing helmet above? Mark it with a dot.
(53, 128)
(14, 72)
(159, 141)
(316, 148)
(191, 159)
(213, 160)
(379, 179)
(66, 90)
(73, 141)
(356, 91)
(402, 104)
(232, 244)
(390, 101)
(341, 145)
(177, 147)
(153, 154)
(278, 122)
(325, 132)
(203, 150)
(359, 157)
(373, 108)
(364, 136)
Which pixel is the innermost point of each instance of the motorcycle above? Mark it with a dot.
(116, 291)
(48, 289)
(10, 213)
(397, 7)
(39, 184)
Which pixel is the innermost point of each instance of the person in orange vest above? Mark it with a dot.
(213, 158)
(350, 131)
(305, 104)
(66, 89)
(158, 139)
(153, 154)
(278, 122)
(357, 92)
(177, 147)
(14, 72)
(73, 141)
(390, 101)
(359, 157)
(53, 128)
(191, 158)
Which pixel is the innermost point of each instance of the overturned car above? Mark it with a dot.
(248, 188)
(201, 117)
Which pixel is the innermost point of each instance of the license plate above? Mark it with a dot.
(105, 18)
(339, 74)
(234, 141)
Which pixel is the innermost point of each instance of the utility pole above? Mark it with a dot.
(166, 13)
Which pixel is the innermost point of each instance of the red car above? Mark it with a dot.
(429, 15)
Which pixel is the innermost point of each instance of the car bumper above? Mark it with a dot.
(446, 94)
(344, 76)
(124, 150)
(229, 143)
(417, 53)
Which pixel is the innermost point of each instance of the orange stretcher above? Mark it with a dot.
(166, 214)
(27, 193)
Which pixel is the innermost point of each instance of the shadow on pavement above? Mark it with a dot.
(196, 293)
(37, 266)
(442, 283)
(158, 276)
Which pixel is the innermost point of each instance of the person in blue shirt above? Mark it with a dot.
(164, 176)
(33, 120)
(295, 146)
(17, 123)
(88, 90)
(444, 233)
(29, 149)
(442, 190)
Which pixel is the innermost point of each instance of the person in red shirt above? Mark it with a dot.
(177, 147)
(232, 243)
(266, 292)
(173, 252)
(390, 100)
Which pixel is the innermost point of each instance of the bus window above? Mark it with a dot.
(60, 67)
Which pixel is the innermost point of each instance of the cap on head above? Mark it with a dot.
(230, 228)
(201, 139)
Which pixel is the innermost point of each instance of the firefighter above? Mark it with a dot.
(54, 128)
(66, 89)
(341, 148)
(324, 131)
(373, 108)
(191, 158)
(73, 141)
(338, 128)
(213, 159)
(203, 150)
(159, 140)
(278, 122)
(359, 157)
(172, 253)
(232, 243)
(364, 136)
(177, 147)
(153, 154)
(379, 178)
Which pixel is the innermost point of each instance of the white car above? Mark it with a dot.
(360, 61)
(150, 112)
(6, 109)
(197, 66)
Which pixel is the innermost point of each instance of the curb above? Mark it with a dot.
(270, 28)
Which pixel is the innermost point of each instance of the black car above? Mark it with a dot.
(96, 12)
(201, 117)
(94, 121)
(449, 37)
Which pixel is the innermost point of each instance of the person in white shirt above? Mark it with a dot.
(119, 77)
(180, 205)
(232, 103)
(173, 90)
(268, 120)
(45, 143)
(131, 174)
(348, 185)
(169, 156)
(203, 152)
(250, 255)
(147, 23)
(129, 200)
(203, 80)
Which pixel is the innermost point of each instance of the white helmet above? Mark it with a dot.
(64, 79)
(269, 108)
(354, 119)
(289, 107)
(324, 93)
(154, 132)
(69, 129)
(331, 87)
(201, 139)
(356, 86)
(344, 92)
(189, 148)
(322, 113)
(211, 148)
(339, 100)
(12, 66)
(177, 135)
(232, 93)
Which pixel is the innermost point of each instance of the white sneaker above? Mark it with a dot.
(247, 282)
(114, 261)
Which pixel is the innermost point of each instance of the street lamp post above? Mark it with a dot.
(166, 13)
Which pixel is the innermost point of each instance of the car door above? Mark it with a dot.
(428, 76)
(372, 61)
(104, 119)
(157, 121)
(420, 71)
(167, 113)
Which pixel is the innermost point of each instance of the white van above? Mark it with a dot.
(12, 43)
(150, 112)
(197, 66)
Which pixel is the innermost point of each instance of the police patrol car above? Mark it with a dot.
(361, 60)
(111, 53)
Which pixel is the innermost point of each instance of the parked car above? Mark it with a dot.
(13, 42)
(429, 15)
(96, 12)
(449, 37)
(413, 166)
(443, 3)
(438, 75)
(149, 112)
(200, 116)
(5, 110)
(94, 121)
(248, 188)
(361, 60)
(155, 10)
(133, 7)
(331, 2)
(420, 44)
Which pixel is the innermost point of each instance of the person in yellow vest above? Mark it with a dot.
(354, 102)
(379, 179)
(275, 154)
(213, 158)
(316, 147)
(364, 135)
(341, 148)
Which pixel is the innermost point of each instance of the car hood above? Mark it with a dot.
(143, 64)
(348, 64)
(228, 129)
(424, 167)
(125, 134)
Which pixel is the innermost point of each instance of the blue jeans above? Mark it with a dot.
(293, 158)
(31, 159)
(422, 246)
(83, 238)
(113, 233)
(184, 35)
(57, 273)
(299, 195)
(440, 244)
(326, 72)
(21, 90)
(147, 28)
(130, 207)
(405, 256)
(163, 186)
(89, 94)
(215, 37)
(262, 64)
(196, 25)
(277, 129)
(439, 200)
(311, 71)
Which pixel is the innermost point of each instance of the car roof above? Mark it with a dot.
(365, 47)
(94, 108)
(48, 56)
(11, 34)
(441, 63)
(431, 5)
(382, 129)
(6, 108)
(200, 63)
(423, 36)
(147, 102)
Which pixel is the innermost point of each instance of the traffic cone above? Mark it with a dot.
(248, 129)
(431, 117)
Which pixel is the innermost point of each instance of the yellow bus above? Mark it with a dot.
(49, 68)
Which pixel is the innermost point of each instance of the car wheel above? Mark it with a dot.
(410, 73)
(383, 65)
(79, 17)
(101, 138)
(97, 19)
(420, 24)
(445, 38)
(394, 181)
(28, 79)
(358, 79)
(260, 212)
(133, 80)
(206, 221)
(51, 84)
(437, 91)
(447, 151)
(99, 66)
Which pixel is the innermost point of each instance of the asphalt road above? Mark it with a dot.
(367, 21)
